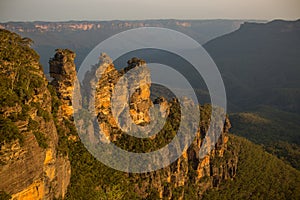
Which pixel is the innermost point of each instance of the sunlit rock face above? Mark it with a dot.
(31, 167)
(63, 72)
(128, 91)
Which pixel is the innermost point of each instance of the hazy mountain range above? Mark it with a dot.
(83, 36)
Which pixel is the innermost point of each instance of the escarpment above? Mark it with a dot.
(31, 167)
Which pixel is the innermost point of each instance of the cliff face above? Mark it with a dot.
(30, 165)
(114, 89)
(134, 93)
(189, 176)
(63, 72)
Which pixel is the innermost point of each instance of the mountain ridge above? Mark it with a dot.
(82, 42)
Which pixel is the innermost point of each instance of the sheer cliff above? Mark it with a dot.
(31, 167)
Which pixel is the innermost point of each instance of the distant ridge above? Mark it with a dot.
(83, 36)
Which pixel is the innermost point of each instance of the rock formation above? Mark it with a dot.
(140, 102)
(30, 166)
(204, 173)
(130, 96)
(133, 92)
(63, 72)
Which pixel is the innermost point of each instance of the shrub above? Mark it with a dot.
(4, 196)
(9, 131)
(43, 113)
(41, 139)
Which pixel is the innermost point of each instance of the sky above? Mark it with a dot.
(63, 10)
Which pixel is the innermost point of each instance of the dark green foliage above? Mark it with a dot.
(41, 139)
(19, 68)
(32, 125)
(153, 194)
(177, 192)
(23, 116)
(91, 179)
(8, 97)
(39, 136)
(276, 130)
(63, 128)
(20, 81)
(63, 144)
(55, 100)
(43, 113)
(259, 176)
(4, 196)
(9, 131)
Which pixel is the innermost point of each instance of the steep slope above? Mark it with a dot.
(259, 176)
(31, 167)
(276, 130)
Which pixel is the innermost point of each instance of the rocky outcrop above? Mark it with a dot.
(63, 72)
(164, 106)
(130, 88)
(190, 170)
(30, 166)
(129, 94)
(140, 82)
(108, 77)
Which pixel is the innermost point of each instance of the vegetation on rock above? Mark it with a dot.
(30, 166)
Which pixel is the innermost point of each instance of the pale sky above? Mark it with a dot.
(63, 10)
